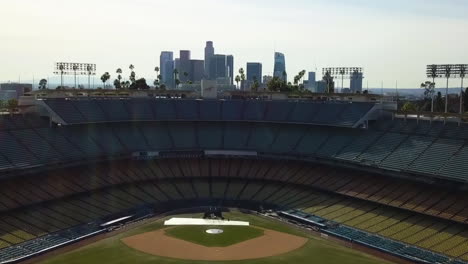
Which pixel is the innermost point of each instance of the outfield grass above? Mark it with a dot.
(231, 235)
(317, 250)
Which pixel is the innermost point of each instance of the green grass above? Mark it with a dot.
(317, 250)
(231, 235)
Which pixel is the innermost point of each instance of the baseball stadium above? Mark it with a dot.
(173, 179)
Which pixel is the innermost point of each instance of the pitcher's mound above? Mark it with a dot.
(272, 243)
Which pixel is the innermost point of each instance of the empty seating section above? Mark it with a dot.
(360, 144)
(304, 112)
(66, 110)
(410, 213)
(184, 136)
(287, 139)
(130, 135)
(279, 111)
(165, 110)
(261, 137)
(407, 152)
(16, 152)
(254, 111)
(91, 111)
(87, 145)
(157, 136)
(457, 166)
(210, 135)
(139, 109)
(210, 110)
(76, 111)
(353, 113)
(61, 144)
(115, 110)
(382, 148)
(105, 137)
(236, 136)
(336, 142)
(420, 198)
(434, 157)
(232, 110)
(330, 114)
(187, 110)
(312, 141)
(430, 149)
(38, 146)
(428, 233)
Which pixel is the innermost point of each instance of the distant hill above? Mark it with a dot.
(413, 91)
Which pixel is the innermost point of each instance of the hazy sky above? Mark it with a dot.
(392, 40)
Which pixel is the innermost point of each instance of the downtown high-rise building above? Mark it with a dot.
(254, 72)
(230, 68)
(280, 66)
(356, 82)
(312, 82)
(209, 52)
(184, 65)
(197, 70)
(166, 65)
(218, 67)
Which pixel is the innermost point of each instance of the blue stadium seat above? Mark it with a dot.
(279, 111)
(187, 110)
(232, 110)
(210, 110)
(90, 110)
(115, 110)
(254, 110)
(210, 135)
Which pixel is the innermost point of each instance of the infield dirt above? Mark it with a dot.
(272, 243)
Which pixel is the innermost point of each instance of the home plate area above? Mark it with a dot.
(214, 240)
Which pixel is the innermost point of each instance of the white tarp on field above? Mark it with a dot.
(203, 222)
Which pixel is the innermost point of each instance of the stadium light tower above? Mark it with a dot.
(343, 73)
(91, 70)
(462, 76)
(447, 71)
(73, 68)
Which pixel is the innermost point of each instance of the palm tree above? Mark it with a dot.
(90, 71)
(242, 77)
(104, 78)
(42, 84)
(119, 76)
(176, 75)
(238, 79)
(132, 73)
(156, 69)
(429, 92)
(186, 76)
(255, 84)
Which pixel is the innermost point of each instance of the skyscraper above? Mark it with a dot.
(218, 67)
(184, 65)
(311, 84)
(230, 68)
(166, 65)
(209, 52)
(280, 66)
(356, 82)
(254, 72)
(197, 70)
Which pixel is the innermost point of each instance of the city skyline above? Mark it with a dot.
(312, 37)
